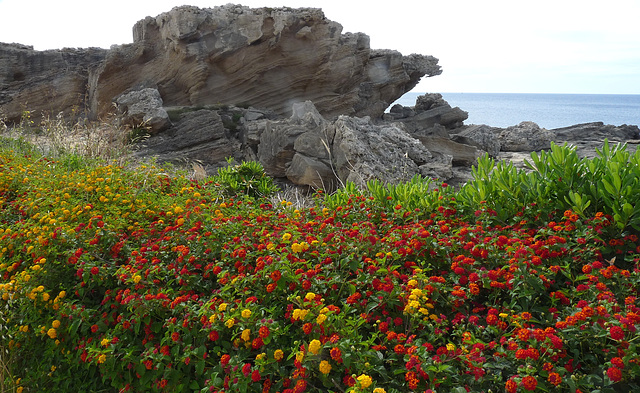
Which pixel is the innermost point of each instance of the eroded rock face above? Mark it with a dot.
(267, 57)
(49, 81)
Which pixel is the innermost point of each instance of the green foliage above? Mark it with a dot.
(559, 180)
(247, 178)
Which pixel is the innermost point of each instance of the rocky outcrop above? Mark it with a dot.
(197, 136)
(481, 136)
(143, 108)
(526, 136)
(51, 81)
(267, 57)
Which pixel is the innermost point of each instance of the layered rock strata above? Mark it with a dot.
(267, 57)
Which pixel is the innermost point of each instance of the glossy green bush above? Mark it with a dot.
(557, 180)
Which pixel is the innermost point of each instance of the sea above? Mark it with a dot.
(547, 110)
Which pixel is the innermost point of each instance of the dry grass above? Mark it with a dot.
(54, 137)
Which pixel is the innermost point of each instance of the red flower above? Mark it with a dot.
(511, 386)
(336, 354)
(616, 333)
(263, 332)
(94, 328)
(618, 362)
(95, 270)
(255, 376)
(529, 382)
(175, 336)
(614, 374)
(246, 369)
(257, 343)
(213, 335)
(224, 360)
(554, 378)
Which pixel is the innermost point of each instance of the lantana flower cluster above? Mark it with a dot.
(124, 281)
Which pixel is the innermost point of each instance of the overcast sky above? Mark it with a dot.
(484, 46)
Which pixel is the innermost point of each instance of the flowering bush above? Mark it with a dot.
(115, 280)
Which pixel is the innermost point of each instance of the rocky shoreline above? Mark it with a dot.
(281, 86)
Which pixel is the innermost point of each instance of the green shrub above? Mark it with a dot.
(247, 178)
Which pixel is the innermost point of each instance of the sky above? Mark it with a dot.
(484, 46)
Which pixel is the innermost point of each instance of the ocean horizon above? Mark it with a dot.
(547, 110)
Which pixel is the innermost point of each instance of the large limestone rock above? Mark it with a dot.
(363, 151)
(51, 81)
(197, 136)
(481, 136)
(526, 136)
(430, 110)
(267, 57)
(143, 108)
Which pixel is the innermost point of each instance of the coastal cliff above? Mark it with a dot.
(269, 58)
(285, 87)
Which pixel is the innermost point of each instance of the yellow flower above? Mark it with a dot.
(310, 296)
(246, 334)
(286, 237)
(230, 322)
(278, 354)
(212, 318)
(321, 318)
(105, 342)
(19, 389)
(299, 314)
(261, 356)
(102, 358)
(365, 380)
(55, 324)
(137, 278)
(299, 356)
(222, 307)
(62, 294)
(379, 390)
(325, 367)
(246, 313)
(314, 346)
(451, 347)
(45, 296)
(52, 333)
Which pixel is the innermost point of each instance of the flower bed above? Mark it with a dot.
(117, 280)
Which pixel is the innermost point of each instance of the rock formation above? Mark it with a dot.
(282, 86)
(49, 81)
(267, 57)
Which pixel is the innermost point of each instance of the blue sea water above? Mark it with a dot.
(547, 110)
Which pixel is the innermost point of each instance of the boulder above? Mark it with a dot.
(304, 132)
(430, 110)
(143, 108)
(526, 136)
(481, 136)
(589, 136)
(363, 151)
(312, 172)
(461, 155)
(197, 136)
